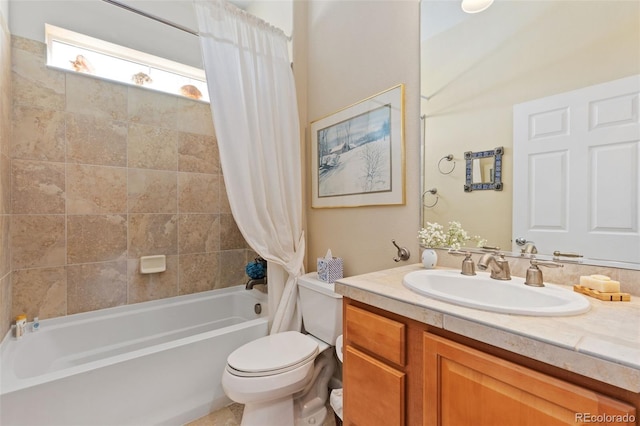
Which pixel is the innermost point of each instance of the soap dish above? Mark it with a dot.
(153, 264)
(609, 297)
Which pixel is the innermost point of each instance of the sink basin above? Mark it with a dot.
(482, 292)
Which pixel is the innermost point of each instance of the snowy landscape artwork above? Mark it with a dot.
(357, 153)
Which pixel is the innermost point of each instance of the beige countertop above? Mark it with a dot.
(603, 344)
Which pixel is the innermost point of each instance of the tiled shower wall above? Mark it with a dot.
(103, 173)
(5, 175)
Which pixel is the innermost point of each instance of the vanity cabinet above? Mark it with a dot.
(398, 371)
(381, 368)
(464, 386)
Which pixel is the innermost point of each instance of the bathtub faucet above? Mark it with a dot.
(252, 282)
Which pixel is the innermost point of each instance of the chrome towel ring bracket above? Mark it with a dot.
(432, 191)
(448, 158)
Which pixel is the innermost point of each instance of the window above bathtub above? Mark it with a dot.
(77, 52)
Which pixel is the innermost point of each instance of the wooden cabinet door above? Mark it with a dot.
(374, 393)
(464, 386)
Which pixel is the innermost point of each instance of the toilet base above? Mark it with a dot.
(314, 419)
(271, 413)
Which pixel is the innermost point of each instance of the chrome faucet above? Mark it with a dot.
(499, 265)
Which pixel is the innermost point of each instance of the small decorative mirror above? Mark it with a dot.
(484, 170)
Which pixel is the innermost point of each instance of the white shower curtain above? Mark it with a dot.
(254, 107)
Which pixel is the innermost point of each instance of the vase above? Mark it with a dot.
(429, 258)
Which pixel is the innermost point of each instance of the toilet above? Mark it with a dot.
(283, 379)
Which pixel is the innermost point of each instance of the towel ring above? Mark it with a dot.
(448, 158)
(432, 191)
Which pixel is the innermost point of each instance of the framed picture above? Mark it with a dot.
(357, 153)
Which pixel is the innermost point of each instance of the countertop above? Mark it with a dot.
(603, 343)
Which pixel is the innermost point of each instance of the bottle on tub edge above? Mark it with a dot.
(21, 325)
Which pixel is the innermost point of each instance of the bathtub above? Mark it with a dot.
(151, 363)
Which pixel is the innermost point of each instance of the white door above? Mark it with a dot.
(576, 180)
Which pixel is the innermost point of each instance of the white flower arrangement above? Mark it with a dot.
(434, 236)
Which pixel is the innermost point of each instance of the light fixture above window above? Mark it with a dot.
(475, 6)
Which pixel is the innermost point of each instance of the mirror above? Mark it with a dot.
(483, 170)
(476, 67)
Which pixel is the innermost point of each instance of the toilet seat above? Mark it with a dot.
(271, 355)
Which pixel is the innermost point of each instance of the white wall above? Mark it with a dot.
(356, 49)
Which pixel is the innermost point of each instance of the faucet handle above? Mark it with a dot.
(534, 274)
(468, 267)
(547, 263)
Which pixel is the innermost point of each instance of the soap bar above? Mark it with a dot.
(602, 283)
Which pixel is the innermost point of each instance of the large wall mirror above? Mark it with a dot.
(476, 67)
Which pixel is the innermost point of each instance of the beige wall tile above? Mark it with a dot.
(118, 196)
(96, 286)
(629, 281)
(144, 287)
(37, 187)
(194, 117)
(5, 304)
(37, 241)
(5, 113)
(151, 234)
(5, 87)
(40, 292)
(152, 147)
(32, 82)
(198, 153)
(28, 45)
(198, 193)
(223, 199)
(5, 177)
(95, 97)
(96, 238)
(96, 140)
(198, 233)
(96, 189)
(230, 236)
(5, 245)
(198, 272)
(38, 134)
(152, 191)
(5, 184)
(232, 268)
(153, 108)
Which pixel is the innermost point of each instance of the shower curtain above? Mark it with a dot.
(254, 108)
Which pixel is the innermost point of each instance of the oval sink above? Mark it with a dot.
(482, 292)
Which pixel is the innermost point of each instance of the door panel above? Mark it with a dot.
(576, 158)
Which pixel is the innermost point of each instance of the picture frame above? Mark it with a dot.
(358, 154)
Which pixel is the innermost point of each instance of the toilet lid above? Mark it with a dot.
(272, 354)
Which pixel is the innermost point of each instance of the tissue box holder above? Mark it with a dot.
(329, 270)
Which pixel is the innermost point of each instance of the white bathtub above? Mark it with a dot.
(150, 363)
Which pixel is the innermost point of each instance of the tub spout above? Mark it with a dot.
(252, 282)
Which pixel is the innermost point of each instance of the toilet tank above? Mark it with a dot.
(321, 308)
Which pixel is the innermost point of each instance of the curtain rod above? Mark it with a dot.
(153, 17)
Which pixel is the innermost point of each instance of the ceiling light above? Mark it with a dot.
(475, 6)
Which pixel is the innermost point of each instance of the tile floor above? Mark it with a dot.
(232, 415)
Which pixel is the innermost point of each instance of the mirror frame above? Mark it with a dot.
(496, 183)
